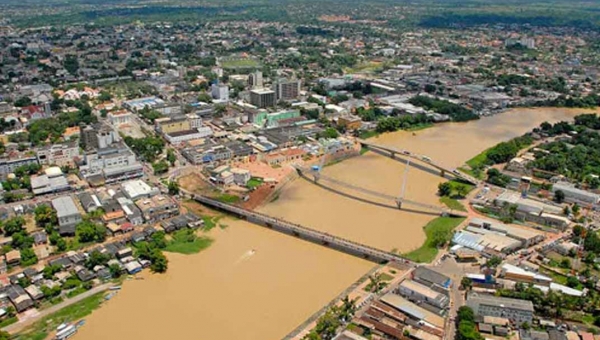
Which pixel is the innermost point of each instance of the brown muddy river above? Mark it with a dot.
(229, 292)
(388, 228)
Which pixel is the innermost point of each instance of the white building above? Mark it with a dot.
(220, 92)
(59, 154)
(240, 176)
(120, 117)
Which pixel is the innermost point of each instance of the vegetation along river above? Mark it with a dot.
(253, 283)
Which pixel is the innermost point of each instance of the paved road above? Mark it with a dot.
(19, 326)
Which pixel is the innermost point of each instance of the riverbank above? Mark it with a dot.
(262, 280)
(439, 232)
(46, 321)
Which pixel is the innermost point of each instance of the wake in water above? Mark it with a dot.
(247, 255)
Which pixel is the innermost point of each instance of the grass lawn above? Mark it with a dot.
(41, 328)
(427, 252)
(8, 321)
(239, 63)
(367, 67)
(228, 198)
(187, 242)
(210, 222)
(254, 182)
(478, 161)
(455, 183)
(76, 292)
(364, 150)
(453, 204)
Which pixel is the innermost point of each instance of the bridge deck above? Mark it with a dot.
(420, 158)
(345, 245)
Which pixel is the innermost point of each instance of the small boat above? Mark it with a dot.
(80, 323)
(109, 296)
(115, 288)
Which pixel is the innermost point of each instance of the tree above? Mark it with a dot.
(96, 258)
(4, 335)
(493, 262)
(565, 263)
(88, 231)
(28, 257)
(23, 101)
(466, 283)
(50, 270)
(171, 158)
(159, 262)
(13, 225)
(462, 190)
(115, 270)
(158, 240)
(444, 189)
(328, 133)
(559, 196)
(45, 216)
(465, 313)
(572, 282)
(204, 97)
(160, 167)
(576, 208)
(173, 188)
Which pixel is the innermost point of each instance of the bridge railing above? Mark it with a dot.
(292, 226)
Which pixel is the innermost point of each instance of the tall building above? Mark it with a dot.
(286, 89)
(262, 98)
(220, 92)
(98, 136)
(255, 80)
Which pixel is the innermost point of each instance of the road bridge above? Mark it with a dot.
(399, 201)
(305, 233)
(421, 159)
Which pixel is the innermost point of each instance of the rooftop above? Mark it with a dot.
(64, 206)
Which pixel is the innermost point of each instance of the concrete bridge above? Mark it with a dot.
(421, 159)
(305, 233)
(399, 201)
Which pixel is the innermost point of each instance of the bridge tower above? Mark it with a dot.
(400, 199)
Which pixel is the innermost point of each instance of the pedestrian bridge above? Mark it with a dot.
(305, 233)
(400, 202)
(424, 160)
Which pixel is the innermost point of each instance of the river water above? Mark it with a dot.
(388, 228)
(253, 283)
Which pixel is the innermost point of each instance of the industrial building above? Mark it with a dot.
(417, 292)
(526, 236)
(432, 279)
(576, 195)
(413, 311)
(517, 311)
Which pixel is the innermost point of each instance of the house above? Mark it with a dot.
(13, 257)
(19, 298)
(67, 213)
(84, 274)
(89, 202)
(157, 208)
(133, 267)
(125, 252)
(34, 292)
(40, 237)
